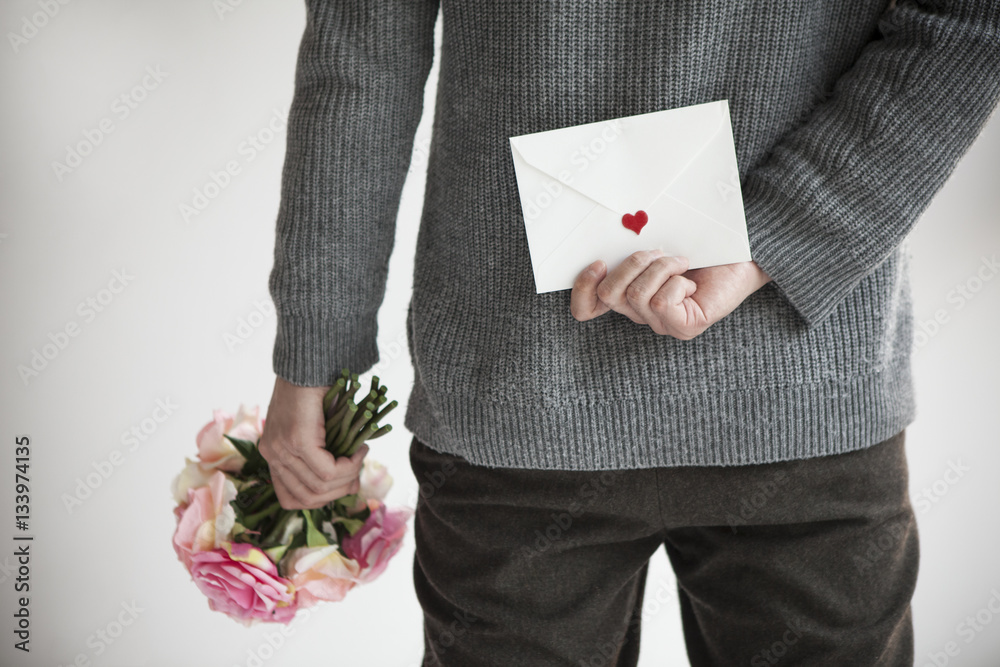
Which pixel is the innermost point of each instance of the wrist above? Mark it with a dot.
(762, 277)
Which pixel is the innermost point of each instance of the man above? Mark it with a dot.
(749, 418)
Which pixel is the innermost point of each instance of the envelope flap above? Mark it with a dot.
(625, 163)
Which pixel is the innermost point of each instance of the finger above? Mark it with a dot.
(344, 479)
(306, 476)
(288, 490)
(349, 468)
(303, 498)
(673, 308)
(315, 466)
(611, 290)
(345, 487)
(335, 471)
(583, 302)
(275, 455)
(357, 459)
(302, 457)
(649, 282)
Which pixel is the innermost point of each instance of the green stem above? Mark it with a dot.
(360, 417)
(386, 410)
(266, 494)
(363, 435)
(371, 396)
(275, 532)
(252, 520)
(349, 394)
(341, 444)
(335, 391)
(353, 432)
(338, 414)
(330, 423)
(345, 424)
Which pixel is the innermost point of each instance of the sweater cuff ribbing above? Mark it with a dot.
(311, 351)
(809, 266)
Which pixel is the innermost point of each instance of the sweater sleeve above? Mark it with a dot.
(359, 83)
(839, 193)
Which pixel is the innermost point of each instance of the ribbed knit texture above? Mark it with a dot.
(847, 119)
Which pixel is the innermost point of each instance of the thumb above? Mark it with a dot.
(584, 304)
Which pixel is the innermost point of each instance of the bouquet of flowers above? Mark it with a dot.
(253, 559)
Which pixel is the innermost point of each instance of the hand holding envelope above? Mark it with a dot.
(662, 292)
(666, 179)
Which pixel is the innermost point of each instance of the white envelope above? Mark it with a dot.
(678, 166)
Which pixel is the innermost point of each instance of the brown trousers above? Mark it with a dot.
(805, 562)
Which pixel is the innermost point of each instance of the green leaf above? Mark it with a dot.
(298, 541)
(248, 536)
(341, 505)
(275, 553)
(314, 537)
(255, 464)
(245, 536)
(273, 536)
(244, 447)
(254, 521)
(251, 499)
(352, 525)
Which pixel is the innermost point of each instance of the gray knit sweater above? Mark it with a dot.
(847, 119)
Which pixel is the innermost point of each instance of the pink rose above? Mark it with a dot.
(243, 583)
(207, 519)
(375, 480)
(215, 451)
(191, 477)
(320, 573)
(378, 540)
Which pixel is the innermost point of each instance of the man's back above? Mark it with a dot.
(829, 107)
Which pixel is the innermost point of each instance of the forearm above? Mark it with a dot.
(837, 195)
(359, 82)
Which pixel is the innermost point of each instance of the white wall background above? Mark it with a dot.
(228, 75)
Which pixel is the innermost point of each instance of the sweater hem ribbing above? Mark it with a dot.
(731, 428)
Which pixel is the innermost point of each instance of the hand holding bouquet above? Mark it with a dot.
(257, 561)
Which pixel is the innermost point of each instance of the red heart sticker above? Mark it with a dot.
(635, 222)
